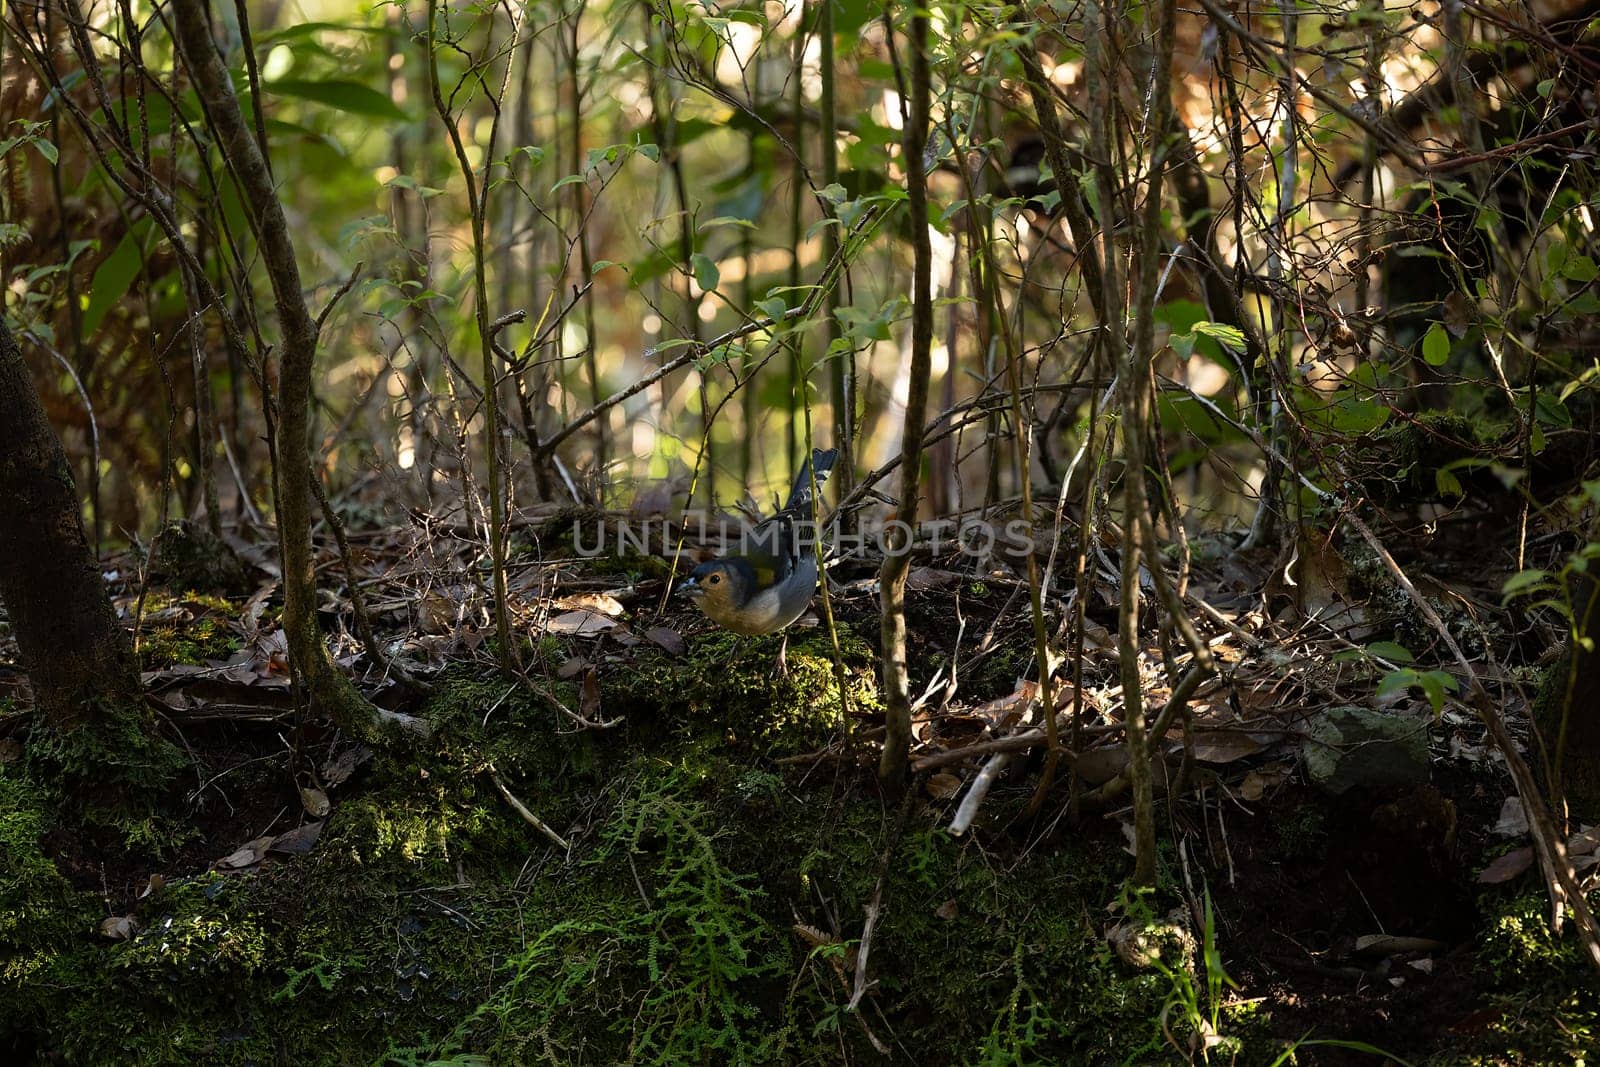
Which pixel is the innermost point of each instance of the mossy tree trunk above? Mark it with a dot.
(91, 723)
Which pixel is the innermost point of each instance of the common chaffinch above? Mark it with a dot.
(770, 583)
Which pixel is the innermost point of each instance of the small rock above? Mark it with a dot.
(1351, 747)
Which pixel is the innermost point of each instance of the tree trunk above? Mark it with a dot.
(897, 556)
(330, 691)
(91, 725)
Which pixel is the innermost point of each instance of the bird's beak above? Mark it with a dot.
(691, 589)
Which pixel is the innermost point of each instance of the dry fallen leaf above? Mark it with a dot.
(338, 769)
(1225, 746)
(580, 623)
(1011, 708)
(669, 640)
(1507, 867)
(1258, 781)
(1391, 944)
(299, 841)
(944, 785)
(948, 910)
(437, 614)
(604, 603)
(118, 927)
(1513, 821)
(1099, 765)
(246, 856)
(925, 579)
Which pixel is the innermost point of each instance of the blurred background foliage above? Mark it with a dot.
(661, 174)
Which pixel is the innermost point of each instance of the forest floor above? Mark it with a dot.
(732, 886)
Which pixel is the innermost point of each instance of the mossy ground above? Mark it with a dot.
(432, 924)
(707, 911)
(191, 628)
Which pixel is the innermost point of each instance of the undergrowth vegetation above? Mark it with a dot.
(709, 910)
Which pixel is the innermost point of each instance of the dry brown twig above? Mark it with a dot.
(522, 809)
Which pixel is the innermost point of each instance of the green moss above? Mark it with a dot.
(432, 923)
(184, 939)
(190, 628)
(114, 767)
(40, 915)
(1548, 1000)
(727, 690)
(1389, 606)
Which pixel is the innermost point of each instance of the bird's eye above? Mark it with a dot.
(715, 579)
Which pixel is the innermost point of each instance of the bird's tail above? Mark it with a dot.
(821, 462)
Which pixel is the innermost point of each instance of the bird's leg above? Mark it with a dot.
(783, 656)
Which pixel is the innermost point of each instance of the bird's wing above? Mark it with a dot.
(772, 549)
(761, 569)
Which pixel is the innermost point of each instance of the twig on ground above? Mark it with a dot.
(522, 810)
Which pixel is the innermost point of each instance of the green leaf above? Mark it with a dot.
(820, 225)
(773, 308)
(533, 152)
(112, 280)
(1523, 581)
(311, 29)
(1396, 682)
(1436, 345)
(1445, 679)
(407, 182)
(348, 96)
(1577, 268)
(726, 220)
(1585, 303)
(1447, 483)
(1389, 650)
(1227, 336)
(706, 274)
(852, 15)
(668, 345)
(1434, 684)
(1555, 257)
